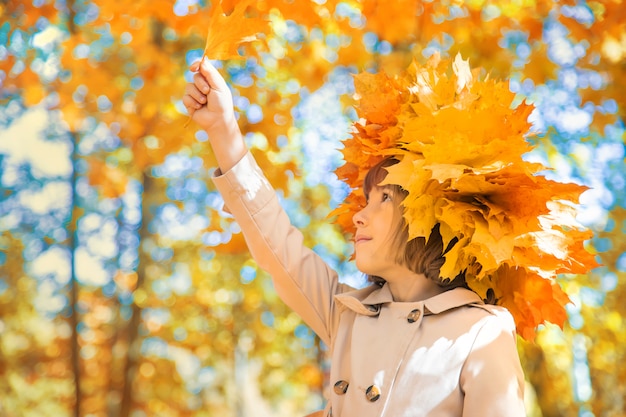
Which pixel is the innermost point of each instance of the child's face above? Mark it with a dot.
(375, 225)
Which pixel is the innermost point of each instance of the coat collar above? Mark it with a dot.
(367, 301)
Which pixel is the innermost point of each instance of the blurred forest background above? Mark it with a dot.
(126, 291)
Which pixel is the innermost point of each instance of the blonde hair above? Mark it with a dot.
(418, 255)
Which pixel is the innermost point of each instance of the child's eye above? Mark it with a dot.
(386, 196)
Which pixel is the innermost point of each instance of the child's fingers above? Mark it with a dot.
(195, 66)
(212, 75)
(192, 91)
(190, 103)
(201, 83)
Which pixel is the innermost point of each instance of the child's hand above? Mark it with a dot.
(208, 99)
(210, 104)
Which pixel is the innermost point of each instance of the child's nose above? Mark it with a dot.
(359, 217)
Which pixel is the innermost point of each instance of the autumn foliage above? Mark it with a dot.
(126, 289)
(460, 143)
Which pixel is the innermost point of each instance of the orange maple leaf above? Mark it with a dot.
(228, 31)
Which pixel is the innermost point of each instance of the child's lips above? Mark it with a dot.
(361, 238)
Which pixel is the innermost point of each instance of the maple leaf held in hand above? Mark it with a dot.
(227, 31)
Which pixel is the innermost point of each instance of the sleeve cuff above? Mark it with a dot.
(244, 183)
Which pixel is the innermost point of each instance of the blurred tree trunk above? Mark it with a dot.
(134, 340)
(74, 285)
(543, 380)
(72, 229)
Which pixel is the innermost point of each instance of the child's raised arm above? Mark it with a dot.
(303, 280)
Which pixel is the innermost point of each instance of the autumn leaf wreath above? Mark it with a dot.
(460, 142)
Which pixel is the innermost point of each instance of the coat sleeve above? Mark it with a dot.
(492, 379)
(301, 278)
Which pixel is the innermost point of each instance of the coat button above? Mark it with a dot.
(341, 387)
(413, 316)
(372, 393)
(373, 308)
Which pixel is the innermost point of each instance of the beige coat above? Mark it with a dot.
(450, 355)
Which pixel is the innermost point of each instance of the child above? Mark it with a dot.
(409, 344)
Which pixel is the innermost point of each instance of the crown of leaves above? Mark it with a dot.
(460, 143)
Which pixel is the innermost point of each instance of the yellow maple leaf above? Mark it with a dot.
(463, 73)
